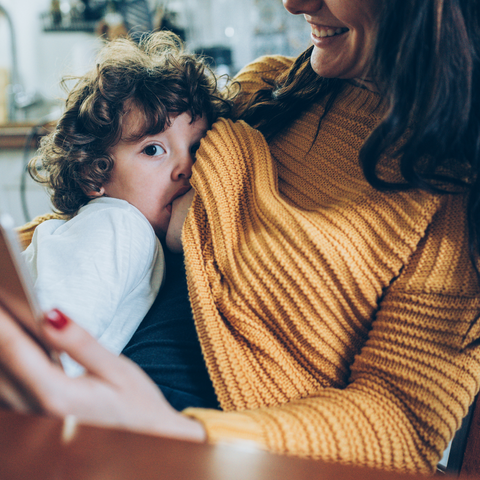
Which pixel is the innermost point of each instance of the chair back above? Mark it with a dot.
(471, 457)
(463, 456)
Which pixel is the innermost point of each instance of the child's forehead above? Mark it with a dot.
(134, 124)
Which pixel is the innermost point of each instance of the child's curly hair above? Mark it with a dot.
(157, 77)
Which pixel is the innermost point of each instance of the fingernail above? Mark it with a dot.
(56, 319)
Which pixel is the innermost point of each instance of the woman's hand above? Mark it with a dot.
(113, 392)
(180, 209)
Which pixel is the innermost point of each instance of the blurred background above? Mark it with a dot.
(43, 40)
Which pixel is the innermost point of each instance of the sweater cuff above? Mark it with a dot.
(228, 427)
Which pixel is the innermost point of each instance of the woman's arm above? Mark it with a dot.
(321, 354)
(113, 392)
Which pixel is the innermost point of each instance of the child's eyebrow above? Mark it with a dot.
(133, 138)
(140, 132)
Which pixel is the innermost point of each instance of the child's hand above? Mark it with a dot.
(180, 209)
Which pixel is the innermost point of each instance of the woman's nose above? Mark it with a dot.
(298, 7)
(183, 166)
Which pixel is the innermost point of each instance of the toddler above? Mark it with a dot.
(121, 153)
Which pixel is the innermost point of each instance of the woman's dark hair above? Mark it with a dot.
(156, 77)
(287, 96)
(431, 83)
(426, 65)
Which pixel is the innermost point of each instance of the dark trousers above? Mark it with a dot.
(166, 344)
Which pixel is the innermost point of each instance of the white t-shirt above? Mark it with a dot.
(103, 268)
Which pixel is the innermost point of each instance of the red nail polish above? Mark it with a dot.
(56, 319)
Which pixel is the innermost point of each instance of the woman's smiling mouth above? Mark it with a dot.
(322, 32)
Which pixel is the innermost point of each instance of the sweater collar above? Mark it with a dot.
(357, 100)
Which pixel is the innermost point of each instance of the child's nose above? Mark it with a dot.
(183, 166)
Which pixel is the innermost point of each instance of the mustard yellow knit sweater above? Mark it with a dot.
(333, 317)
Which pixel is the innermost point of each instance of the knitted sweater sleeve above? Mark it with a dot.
(413, 378)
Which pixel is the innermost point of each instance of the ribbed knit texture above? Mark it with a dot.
(331, 316)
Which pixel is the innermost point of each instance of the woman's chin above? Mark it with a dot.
(328, 64)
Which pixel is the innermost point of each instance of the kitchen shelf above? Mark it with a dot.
(72, 25)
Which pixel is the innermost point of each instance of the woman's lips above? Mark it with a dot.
(322, 31)
(324, 35)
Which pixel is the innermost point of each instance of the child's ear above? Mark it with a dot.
(96, 193)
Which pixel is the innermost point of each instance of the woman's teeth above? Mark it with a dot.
(328, 32)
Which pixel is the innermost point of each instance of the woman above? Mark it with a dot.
(336, 301)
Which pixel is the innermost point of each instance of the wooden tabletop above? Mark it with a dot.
(38, 448)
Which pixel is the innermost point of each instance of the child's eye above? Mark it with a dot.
(153, 150)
